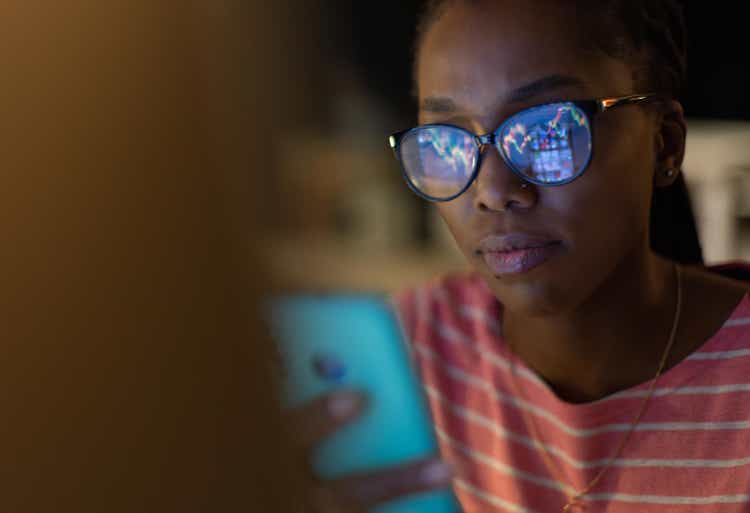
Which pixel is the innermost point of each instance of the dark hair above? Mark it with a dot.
(651, 36)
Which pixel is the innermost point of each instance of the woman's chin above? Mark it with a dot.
(532, 299)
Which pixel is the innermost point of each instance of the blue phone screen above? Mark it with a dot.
(355, 341)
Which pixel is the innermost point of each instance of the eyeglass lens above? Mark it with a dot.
(547, 145)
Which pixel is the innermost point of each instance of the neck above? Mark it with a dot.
(613, 340)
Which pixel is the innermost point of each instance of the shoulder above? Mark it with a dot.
(730, 279)
(736, 271)
(715, 302)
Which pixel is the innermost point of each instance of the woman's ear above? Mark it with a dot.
(670, 143)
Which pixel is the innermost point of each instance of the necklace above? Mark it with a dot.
(576, 499)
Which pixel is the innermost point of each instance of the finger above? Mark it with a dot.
(314, 421)
(371, 489)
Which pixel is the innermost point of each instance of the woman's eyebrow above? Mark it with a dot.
(437, 105)
(444, 105)
(543, 85)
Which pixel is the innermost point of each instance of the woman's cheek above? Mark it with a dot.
(608, 225)
(458, 217)
(586, 215)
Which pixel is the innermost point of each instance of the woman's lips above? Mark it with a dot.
(517, 252)
(520, 260)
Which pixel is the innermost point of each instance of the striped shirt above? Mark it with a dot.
(689, 453)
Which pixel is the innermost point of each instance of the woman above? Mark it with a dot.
(589, 362)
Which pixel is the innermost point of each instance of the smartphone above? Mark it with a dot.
(354, 340)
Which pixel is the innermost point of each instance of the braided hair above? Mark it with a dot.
(651, 36)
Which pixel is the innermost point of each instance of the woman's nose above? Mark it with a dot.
(498, 188)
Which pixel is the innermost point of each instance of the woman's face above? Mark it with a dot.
(481, 62)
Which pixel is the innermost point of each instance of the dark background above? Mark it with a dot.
(375, 38)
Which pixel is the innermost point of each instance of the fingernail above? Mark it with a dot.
(343, 404)
(437, 473)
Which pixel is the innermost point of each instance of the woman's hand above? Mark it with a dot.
(357, 493)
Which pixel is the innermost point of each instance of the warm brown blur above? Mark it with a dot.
(130, 377)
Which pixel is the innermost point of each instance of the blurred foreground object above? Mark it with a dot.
(133, 376)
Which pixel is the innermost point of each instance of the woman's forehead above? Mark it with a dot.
(479, 56)
(496, 28)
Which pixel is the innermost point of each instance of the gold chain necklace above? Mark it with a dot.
(576, 498)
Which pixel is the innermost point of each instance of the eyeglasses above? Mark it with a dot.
(547, 145)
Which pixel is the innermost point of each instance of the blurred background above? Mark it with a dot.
(352, 222)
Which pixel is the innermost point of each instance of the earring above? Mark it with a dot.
(524, 185)
(670, 172)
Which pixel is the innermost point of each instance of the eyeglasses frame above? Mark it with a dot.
(591, 108)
